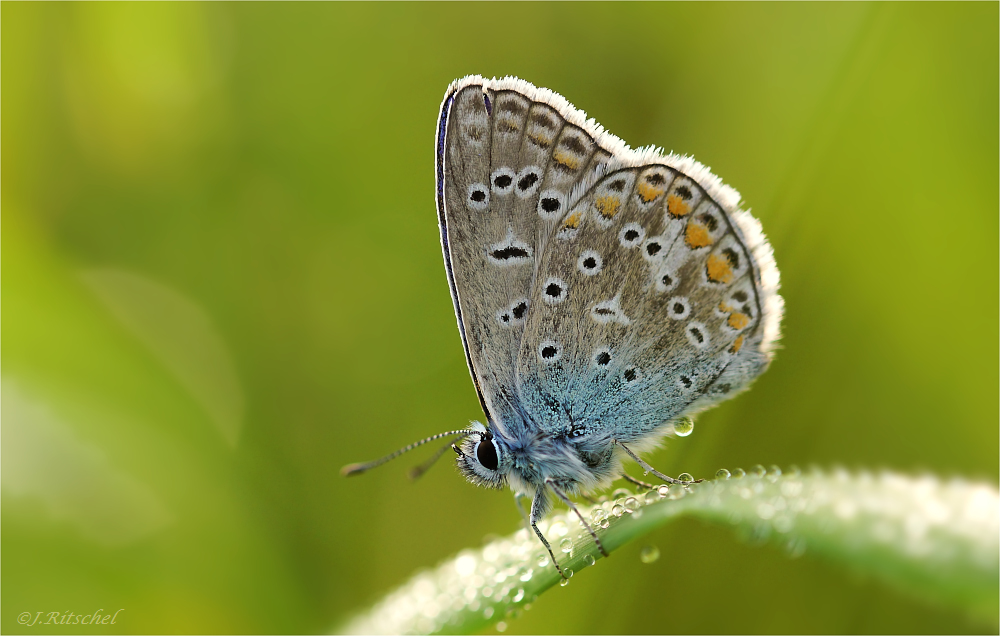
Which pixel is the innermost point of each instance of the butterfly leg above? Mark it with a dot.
(538, 506)
(648, 468)
(637, 482)
(566, 500)
(518, 497)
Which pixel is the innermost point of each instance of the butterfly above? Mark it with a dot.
(602, 293)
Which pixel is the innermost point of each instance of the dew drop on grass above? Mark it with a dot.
(685, 477)
(501, 626)
(631, 504)
(722, 473)
(566, 545)
(739, 473)
(589, 559)
(683, 427)
(758, 471)
(649, 554)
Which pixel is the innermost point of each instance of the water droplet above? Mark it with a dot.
(758, 471)
(794, 471)
(621, 493)
(739, 473)
(722, 473)
(487, 592)
(501, 626)
(663, 490)
(566, 545)
(589, 559)
(563, 582)
(618, 510)
(568, 572)
(605, 522)
(652, 496)
(597, 514)
(543, 560)
(685, 477)
(631, 504)
(488, 612)
(683, 427)
(518, 596)
(773, 473)
(649, 554)
(527, 576)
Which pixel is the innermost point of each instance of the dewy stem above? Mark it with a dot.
(935, 539)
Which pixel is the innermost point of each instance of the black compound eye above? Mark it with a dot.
(486, 453)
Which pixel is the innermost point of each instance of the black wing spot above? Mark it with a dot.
(655, 179)
(709, 221)
(631, 374)
(503, 181)
(603, 358)
(678, 308)
(694, 331)
(543, 120)
(740, 296)
(653, 248)
(684, 192)
(666, 280)
(510, 106)
(505, 318)
(527, 181)
(519, 310)
(686, 381)
(631, 235)
(549, 352)
(489, 106)
(732, 257)
(478, 196)
(574, 144)
(553, 290)
(590, 262)
(550, 205)
(509, 252)
(617, 185)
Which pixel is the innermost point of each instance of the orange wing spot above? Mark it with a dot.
(738, 321)
(570, 161)
(697, 236)
(726, 308)
(737, 345)
(608, 206)
(677, 206)
(648, 192)
(572, 222)
(719, 270)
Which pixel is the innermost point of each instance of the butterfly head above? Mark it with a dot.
(484, 458)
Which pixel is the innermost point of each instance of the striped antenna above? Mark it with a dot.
(355, 469)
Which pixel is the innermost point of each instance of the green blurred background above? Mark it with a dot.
(222, 281)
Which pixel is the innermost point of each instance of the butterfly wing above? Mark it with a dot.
(507, 162)
(597, 288)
